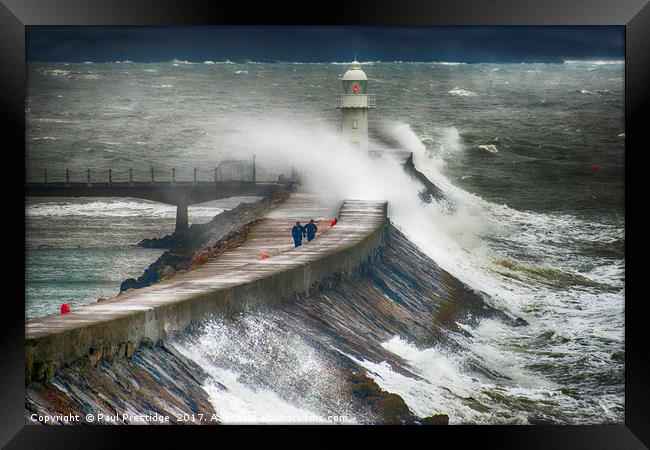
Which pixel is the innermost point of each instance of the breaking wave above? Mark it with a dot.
(115, 208)
(260, 372)
(462, 92)
(489, 148)
(596, 62)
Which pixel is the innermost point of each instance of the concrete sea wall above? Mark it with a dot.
(146, 316)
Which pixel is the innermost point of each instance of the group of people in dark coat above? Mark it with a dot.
(298, 232)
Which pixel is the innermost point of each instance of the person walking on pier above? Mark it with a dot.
(298, 232)
(311, 230)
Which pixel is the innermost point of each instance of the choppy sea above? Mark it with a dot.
(530, 158)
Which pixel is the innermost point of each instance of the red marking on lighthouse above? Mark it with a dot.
(355, 88)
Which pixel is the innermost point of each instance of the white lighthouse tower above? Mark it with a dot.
(354, 104)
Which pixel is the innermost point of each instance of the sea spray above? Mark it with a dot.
(262, 372)
(464, 234)
(533, 225)
(329, 167)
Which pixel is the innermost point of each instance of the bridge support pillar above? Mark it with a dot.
(181, 216)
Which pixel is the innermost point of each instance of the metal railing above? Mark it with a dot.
(355, 101)
(232, 170)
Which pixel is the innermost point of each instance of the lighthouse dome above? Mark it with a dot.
(355, 73)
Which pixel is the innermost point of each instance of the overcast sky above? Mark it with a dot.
(316, 44)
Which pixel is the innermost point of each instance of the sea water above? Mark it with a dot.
(529, 157)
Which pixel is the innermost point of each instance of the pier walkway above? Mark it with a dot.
(225, 285)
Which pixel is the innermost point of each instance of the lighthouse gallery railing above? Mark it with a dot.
(355, 101)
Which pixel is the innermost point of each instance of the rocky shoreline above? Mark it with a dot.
(226, 230)
(388, 407)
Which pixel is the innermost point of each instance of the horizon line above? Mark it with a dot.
(597, 61)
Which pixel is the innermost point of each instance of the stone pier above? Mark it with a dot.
(233, 282)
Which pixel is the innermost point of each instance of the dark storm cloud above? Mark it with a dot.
(311, 44)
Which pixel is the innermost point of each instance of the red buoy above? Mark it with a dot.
(65, 308)
(264, 255)
(334, 222)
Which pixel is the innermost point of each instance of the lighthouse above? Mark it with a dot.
(354, 104)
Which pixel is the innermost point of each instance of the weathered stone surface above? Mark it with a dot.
(50, 369)
(389, 408)
(224, 231)
(618, 356)
(438, 419)
(110, 349)
(38, 372)
(519, 322)
(429, 191)
(129, 283)
(167, 272)
(29, 361)
(163, 242)
(125, 386)
(95, 354)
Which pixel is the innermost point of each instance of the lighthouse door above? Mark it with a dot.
(355, 145)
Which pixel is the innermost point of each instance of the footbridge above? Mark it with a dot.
(231, 178)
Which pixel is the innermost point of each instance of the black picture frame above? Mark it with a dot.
(16, 14)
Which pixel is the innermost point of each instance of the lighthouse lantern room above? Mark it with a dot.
(354, 104)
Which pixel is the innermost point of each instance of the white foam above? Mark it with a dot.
(54, 72)
(597, 62)
(236, 403)
(437, 386)
(177, 62)
(489, 147)
(462, 92)
(44, 138)
(116, 208)
(260, 373)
